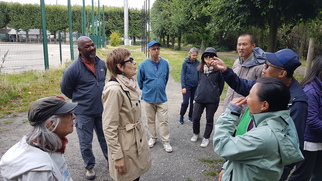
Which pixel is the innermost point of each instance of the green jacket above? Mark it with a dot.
(261, 153)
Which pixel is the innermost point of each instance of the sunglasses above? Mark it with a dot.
(267, 64)
(129, 60)
(208, 55)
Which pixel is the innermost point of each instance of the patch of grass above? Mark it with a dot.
(189, 179)
(7, 122)
(4, 129)
(25, 121)
(214, 165)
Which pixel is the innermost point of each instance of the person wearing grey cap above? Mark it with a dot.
(152, 77)
(280, 65)
(210, 82)
(40, 154)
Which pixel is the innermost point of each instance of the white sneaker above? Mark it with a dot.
(90, 174)
(204, 142)
(167, 147)
(194, 138)
(152, 142)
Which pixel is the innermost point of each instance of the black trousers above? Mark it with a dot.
(197, 112)
(309, 168)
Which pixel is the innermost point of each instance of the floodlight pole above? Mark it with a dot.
(126, 23)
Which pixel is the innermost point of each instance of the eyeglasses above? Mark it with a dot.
(154, 49)
(129, 60)
(267, 64)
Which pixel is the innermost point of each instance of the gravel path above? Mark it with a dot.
(180, 165)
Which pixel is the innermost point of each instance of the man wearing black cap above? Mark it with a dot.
(153, 75)
(280, 65)
(39, 154)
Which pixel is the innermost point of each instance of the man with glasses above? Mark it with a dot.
(247, 66)
(40, 154)
(153, 75)
(280, 65)
(83, 82)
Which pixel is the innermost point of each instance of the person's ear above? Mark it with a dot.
(283, 73)
(120, 67)
(50, 125)
(264, 106)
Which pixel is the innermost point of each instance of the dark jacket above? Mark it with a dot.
(298, 102)
(313, 132)
(189, 73)
(81, 85)
(209, 87)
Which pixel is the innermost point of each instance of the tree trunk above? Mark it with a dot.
(27, 36)
(310, 54)
(179, 42)
(173, 40)
(202, 47)
(168, 41)
(302, 41)
(134, 40)
(272, 38)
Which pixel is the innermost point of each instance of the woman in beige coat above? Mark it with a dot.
(128, 151)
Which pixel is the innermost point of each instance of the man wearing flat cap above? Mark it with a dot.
(153, 75)
(280, 65)
(40, 154)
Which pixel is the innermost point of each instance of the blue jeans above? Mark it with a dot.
(188, 100)
(197, 112)
(85, 126)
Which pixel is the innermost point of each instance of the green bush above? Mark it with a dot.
(115, 38)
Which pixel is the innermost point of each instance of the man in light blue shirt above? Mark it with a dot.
(153, 77)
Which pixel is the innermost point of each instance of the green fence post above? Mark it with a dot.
(44, 33)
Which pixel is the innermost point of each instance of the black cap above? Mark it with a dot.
(44, 108)
(209, 50)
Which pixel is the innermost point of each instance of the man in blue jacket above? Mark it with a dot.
(153, 75)
(280, 65)
(83, 82)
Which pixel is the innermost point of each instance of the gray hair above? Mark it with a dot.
(193, 49)
(44, 138)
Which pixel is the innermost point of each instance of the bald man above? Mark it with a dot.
(83, 82)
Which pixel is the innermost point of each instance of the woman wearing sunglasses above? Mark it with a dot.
(129, 154)
(209, 89)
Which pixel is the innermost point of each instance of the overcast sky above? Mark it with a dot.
(118, 3)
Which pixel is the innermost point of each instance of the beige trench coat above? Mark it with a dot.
(124, 131)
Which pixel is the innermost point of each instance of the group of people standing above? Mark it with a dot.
(269, 122)
(278, 112)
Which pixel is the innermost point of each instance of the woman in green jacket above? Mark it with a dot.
(261, 153)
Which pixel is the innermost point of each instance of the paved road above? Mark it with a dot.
(22, 57)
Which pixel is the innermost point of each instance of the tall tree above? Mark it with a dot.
(234, 14)
(4, 14)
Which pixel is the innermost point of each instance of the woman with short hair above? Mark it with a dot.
(128, 151)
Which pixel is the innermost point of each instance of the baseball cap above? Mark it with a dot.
(151, 43)
(209, 51)
(44, 108)
(285, 58)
